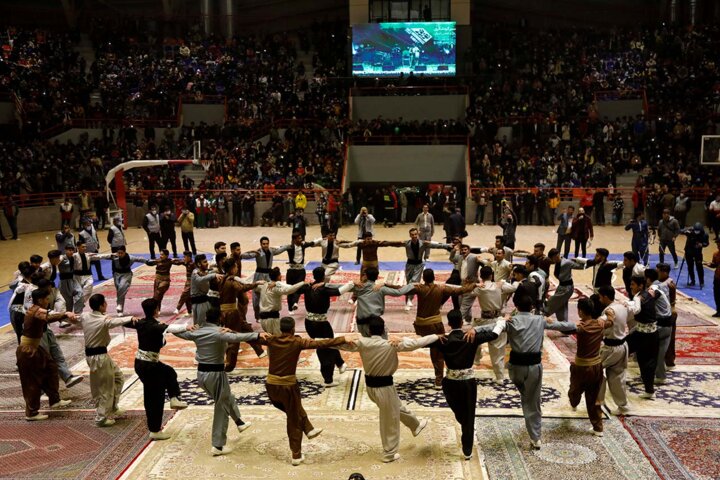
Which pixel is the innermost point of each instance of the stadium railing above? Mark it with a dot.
(24, 200)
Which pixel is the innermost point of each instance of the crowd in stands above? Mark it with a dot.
(541, 83)
(547, 81)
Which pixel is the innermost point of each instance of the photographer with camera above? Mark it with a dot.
(697, 239)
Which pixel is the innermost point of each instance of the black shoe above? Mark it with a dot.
(717, 315)
(702, 285)
(691, 283)
(3, 239)
(102, 278)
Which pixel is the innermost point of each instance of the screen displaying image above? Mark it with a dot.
(389, 49)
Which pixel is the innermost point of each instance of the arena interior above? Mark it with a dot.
(365, 239)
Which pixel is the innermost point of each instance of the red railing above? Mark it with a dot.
(698, 194)
(26, 200)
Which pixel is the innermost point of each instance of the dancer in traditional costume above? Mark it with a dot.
(282, 387)
(122, 274)
(614, 351)
(211, 342)
(162, 274)
(157, 378)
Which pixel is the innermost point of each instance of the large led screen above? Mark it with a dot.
(389, 49)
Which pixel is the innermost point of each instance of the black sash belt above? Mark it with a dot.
(66, 276)
(414, 262)
(91, 351)
(199, 299)
(328, 261)
(525, 358)
(211, 367)
(262, 270)
(264, 315)
(613, 342)
(122, 270)
(377, 382)
(82, 272)
(363, 321)
(566, 283)
(664, 322)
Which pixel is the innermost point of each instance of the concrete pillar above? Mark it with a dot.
(227, 18)
(71, 12)
(205, 12)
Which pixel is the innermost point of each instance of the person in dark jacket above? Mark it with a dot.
(581, 231)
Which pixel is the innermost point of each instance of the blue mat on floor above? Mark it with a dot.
(705, 295)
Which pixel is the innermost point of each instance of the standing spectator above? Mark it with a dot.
(638, 200)
(66, 212)
(333, 209)
(187, 221)
(248, 208)
(11, 211)
(696, 241)
(222, 210)
(167, 231)
(85, 204)
(618, 207)
(581, 231)
(202, 206)
(553, 203)
(101, 211)
(714, 210)
(668, 231)
(365, 223)
(425, 224)
(564, 229)
(529, 200)
(455, 226)
(599, 206)
(236, 210)
(639, 243)
(480, 204)
(321, 207)
(288, 207)
(586, 203)
(390, 206)
(496, 199)
(402, 198)
(300, 200)
(509, 227)
(667, 199)
(151, 225)
(681, 208)
(715, 263)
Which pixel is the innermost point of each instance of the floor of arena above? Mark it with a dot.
(676, 436)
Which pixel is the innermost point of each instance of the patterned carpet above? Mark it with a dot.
(263, 453)
(69, 446)
(72, 345)
(11, 397)
(679, 448)
(688, 403)
(570, 451)
(693, 345)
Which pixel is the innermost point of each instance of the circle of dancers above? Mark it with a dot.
(215, 294)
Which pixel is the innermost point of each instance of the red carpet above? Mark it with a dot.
(679, 448)
(69, 446)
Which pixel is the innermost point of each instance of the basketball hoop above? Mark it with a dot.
(205, 163)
